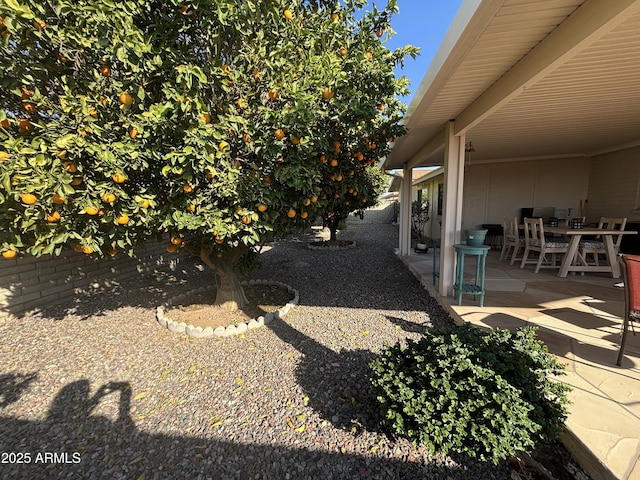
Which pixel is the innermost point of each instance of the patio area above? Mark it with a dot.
(579, 318)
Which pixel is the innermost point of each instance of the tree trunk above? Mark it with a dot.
(230, 294)
(332, 224)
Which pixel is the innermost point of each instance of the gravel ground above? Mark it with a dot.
(97, 389)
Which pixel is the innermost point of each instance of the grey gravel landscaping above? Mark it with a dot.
(107, 392)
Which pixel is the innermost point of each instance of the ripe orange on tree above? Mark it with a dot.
(105, 70)
(28, 198)
(113, 252)
(70, 167)
(133, 133)
(87, 250)
(191, 207)
(246, 138)
(125, 98)
(175, 240)
(205, 117)
(242, 103)
(210, 173)
(4, 156)
(171, 248)
(287, 14)
(76, 181)
(279, 134)
(108, 197)
(246, 219)
(262, 207)
(273, 94)
(342, 51)
(303, 215)
(327, 93)
(123, 219)
(295, 141)
(119, 177)
(306, 202)
(291, 213)
(187, 188)
(53, 216)
(9, 253)
(333, 162)
(314, 198)
(222, 145)
(30, 108)
(58, 199)
(91, 210)
(5, 123)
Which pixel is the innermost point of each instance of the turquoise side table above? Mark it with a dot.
(476, 287)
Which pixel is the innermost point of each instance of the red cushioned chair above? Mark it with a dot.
(630, 266)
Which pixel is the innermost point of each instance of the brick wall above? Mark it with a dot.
(27, 283)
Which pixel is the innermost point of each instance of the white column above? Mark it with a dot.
(405, 211)
(452, 208)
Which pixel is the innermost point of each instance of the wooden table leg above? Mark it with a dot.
(611, 255)
(570, 255)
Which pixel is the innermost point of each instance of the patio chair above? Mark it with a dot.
(512, 242)
(596, 246)
(630, 266)
(534, 241)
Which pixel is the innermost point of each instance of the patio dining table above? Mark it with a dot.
(570, 263)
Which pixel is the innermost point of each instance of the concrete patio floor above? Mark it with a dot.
(579, 318)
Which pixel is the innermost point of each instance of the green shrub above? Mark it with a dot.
(463, 390)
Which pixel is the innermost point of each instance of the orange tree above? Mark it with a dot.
(204, 120)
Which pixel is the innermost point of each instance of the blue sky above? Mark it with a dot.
(422, 23)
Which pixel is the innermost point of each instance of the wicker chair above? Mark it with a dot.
(630, 266)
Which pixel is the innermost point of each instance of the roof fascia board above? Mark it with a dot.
(436, 143)
(470, 21)
(589, 22)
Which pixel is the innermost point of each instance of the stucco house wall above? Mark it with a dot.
(614, 190)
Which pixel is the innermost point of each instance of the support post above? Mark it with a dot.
(405, 211)
(452, 209)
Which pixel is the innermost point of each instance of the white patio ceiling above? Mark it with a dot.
(530, 78)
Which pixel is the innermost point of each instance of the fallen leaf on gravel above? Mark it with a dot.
(289, 355)
(301, 417)
(305, 400)
(364, 332)
(289, 422)
(268, 389)
(301, 428)
(142, 476)
(237, 389)
(353, 400)
(140, 395)
(335, 364)
(239, 381)
(136, 460)
(216, 421)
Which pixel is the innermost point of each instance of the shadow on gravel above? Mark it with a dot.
(12, 385)
(75, 442)
(336, 383)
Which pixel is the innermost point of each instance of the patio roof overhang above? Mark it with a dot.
(524, 79)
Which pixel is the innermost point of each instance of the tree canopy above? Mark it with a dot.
(214, 121)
